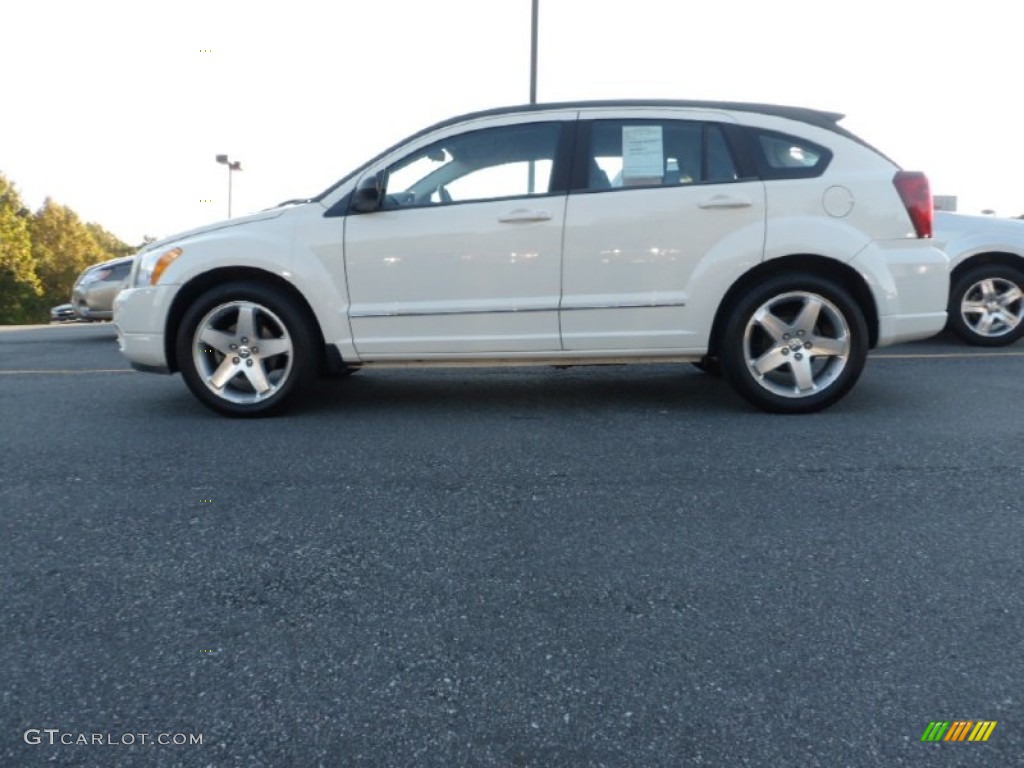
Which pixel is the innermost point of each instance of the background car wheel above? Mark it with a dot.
(794, 344)
(986, 306)
(244, 349)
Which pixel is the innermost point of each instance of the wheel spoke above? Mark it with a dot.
(771, 324)
(219, 340)
(246, 328)
(769, 361)
(808, 316)
(1012, 295)
(1009, 319)
(257, 377)
(972, 307)
(224, 373)
(822, 346)
(271, 347)
(988, 289)
(802, 374)
(985, 322)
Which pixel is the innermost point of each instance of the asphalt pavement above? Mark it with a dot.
(601, 566)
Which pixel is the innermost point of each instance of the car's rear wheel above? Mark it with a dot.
(986, 305)
(794, 344)
(245, 349)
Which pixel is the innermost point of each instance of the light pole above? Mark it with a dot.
(533, 53)
(531, 180)
(232, 166)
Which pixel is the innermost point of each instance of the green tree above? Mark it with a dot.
(111, 244)
(20, 287)
(62, 246)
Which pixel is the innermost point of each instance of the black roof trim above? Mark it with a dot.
(816, 117)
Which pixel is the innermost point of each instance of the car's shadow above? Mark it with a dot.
(522, 391)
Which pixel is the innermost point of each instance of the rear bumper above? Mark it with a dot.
(895, 329)
(910, 283)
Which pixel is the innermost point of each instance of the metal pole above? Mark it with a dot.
(531, 169)
(533, 54)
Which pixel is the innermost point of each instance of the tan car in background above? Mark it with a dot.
(92, 297)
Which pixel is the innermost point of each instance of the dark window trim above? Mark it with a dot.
(738, 141)
(580, 172)
(705, 129)
(340, 208)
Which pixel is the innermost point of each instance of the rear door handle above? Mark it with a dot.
(725, 201)
(522, 214)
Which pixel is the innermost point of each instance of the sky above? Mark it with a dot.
(118, 108)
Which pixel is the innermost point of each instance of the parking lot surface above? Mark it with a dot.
(605, 566)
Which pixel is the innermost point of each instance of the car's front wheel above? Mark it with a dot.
(794, 344)
(244, 349)
(986, 305)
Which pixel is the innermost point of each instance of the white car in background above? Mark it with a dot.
(766, 240)
(986, 296)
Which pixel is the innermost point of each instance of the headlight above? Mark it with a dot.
(152, 265)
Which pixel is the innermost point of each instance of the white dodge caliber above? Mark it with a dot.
(766, 242)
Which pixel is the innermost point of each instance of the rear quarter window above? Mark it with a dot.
(781, 156)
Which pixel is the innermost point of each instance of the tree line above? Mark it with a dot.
(41, 254)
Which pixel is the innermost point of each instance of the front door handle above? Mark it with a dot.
(725, 201)
(523, 214)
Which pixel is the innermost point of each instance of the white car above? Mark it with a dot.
(986, 295)
(764, 240)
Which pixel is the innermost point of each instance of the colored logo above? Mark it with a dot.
(958, 730)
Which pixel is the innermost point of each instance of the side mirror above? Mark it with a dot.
(369, 193)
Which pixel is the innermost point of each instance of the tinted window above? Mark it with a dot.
(781, 156)
(644, 153)
(511, 161)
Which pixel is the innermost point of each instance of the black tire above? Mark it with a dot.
(986, 305)
(813, 353)
(214, 343)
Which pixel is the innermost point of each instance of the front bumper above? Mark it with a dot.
(85, 312)
(140, 316)
(91, 302)
(62, 313)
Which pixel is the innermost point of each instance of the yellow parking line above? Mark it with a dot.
(82, 370)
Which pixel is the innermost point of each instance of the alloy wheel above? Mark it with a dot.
(796, 344)
(242, 352)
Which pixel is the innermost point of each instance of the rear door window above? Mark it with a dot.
(654, 153)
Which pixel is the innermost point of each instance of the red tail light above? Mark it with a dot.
(916, 195)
